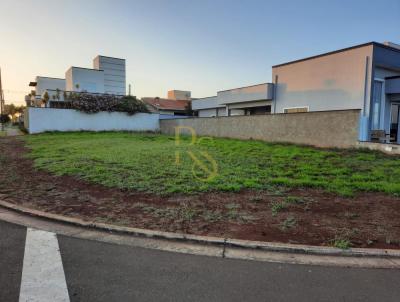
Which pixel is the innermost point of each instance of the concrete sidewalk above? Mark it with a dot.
(10, 131)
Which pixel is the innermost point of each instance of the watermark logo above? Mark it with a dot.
(204, 167)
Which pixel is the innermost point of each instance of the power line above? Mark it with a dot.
(10, 91)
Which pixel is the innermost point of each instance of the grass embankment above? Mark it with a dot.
(147, 162)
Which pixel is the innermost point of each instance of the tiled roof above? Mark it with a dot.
(166, 104)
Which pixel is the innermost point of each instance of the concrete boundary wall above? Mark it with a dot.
(37, 120)
(322, 129)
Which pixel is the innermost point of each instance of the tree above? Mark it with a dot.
(46, 98)
(11, 109)
(58, 94)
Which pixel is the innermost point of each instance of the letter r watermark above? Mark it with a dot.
(198, 163)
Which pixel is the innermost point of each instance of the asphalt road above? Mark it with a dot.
(96, 271)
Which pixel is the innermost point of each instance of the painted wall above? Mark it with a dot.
(114, 74)
(331, 82)
(208, 112)
(206, 103)
(48, 119)
(322, 129)
(246, 94)
(44, 83)
(89, 80)
(249, 104)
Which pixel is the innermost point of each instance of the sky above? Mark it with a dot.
(203, 46)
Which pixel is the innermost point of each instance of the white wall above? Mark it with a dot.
(89, 80)
(213, 112)
(206, 103)
(44, 83)
(48, 119)
(246, 94)
(208, 112)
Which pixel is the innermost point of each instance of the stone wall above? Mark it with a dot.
(322, 129)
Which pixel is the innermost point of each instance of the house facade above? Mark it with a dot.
(364, 77)
(108, 76)
(249, 100)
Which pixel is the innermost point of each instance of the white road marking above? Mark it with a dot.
(43, 276)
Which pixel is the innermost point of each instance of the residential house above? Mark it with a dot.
(167, 107)
(250, 100)
(39, 87)
(108, 76)
(364, 77)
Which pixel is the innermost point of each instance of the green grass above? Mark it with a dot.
(146, 162)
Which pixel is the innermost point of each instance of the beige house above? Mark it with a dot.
(364, 77)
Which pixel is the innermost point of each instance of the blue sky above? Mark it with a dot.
(202, 46)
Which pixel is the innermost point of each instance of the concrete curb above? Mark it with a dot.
(207, 240)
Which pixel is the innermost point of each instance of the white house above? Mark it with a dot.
(249, 100)
(108, 76)
(40, 85)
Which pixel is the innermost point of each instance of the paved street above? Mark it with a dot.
(96, 271)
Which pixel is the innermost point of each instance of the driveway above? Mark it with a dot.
(74, 269)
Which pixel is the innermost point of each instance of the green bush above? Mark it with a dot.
(93, 103)
(131, 105)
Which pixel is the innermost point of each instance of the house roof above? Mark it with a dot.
(340, 50)
(166, 104)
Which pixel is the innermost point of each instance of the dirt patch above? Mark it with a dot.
(303, 216)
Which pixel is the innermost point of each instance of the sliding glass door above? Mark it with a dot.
(377, 104)
(395, 123)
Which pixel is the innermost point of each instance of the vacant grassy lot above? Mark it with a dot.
(147, 162)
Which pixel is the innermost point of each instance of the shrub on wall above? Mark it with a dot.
(92, 103)
(131, 105)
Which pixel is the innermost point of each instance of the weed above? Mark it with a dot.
(294, 200)
(256, 199)
(342, 239)
(233, 213)
(278, 206)
(351, 215)
(341, 243)
(212, 216)
(288, 223)
(187, 213)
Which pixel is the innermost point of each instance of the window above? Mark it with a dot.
(376, 104)
(295, 110)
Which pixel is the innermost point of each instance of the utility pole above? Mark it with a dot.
(1, 102)
(1, 96)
